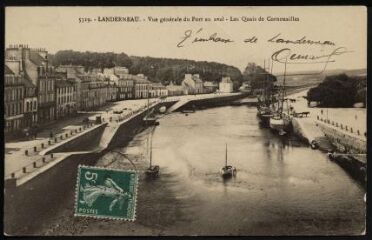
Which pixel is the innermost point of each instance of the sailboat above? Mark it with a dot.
(281, 121)
(227, 170)
(152, 170)
(264, 100)
(150, 119)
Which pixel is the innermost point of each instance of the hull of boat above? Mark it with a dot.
(279, 125)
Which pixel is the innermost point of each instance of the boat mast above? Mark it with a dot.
(272, 89)
(226, 156)
(283, 91)
(151, 150)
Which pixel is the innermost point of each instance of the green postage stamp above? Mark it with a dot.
(106, 193)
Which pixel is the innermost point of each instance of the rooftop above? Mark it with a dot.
(36, 58)
(8, 70)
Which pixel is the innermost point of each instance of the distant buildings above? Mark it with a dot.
(226, 85)
(158, 90)
(174, 90)
(210, 87)
(141, 86)
(192, 84)
(35, 92)
(65, 98)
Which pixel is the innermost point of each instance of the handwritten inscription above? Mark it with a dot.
(284, 55)
(195, 37)
(303, 40)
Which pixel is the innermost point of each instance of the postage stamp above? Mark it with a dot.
(106, 193)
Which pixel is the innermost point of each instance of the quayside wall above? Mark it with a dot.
(212, 102)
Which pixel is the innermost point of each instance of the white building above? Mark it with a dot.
(226, 85)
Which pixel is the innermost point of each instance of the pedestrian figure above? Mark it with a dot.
(51, 135)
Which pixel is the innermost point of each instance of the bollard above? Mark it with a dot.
(26, 152)
(51, 155)
(80, 129)
(24, 169)
(76, 130)
(55, 139)
(35, 149)
(66, 135)
(43, 159)
(71, 133)
(12, 175)
(34, 164)
(49, 142)
(42, 145)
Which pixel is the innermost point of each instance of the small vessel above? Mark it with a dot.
(150, 119)
(265, 99)
(153, 170)
(227, 170)
(189, 110)
(281, 121)
(277, 123)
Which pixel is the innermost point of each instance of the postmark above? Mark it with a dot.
(106, 193)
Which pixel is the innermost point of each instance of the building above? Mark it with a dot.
(93, 92)
(174, 90)
(13, 101)
(115, 73)
(141, 86)
(35, 66)
(210, 87)
(125, 88)
(158, 90)
(73, 72)
(192, 84)
(112, 91)
(30, 104)
(65, 98)
(226, 85)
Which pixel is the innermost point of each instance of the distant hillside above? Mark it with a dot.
(165, 69)
(312, 80)
(162, 70)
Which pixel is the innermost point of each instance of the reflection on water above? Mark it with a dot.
(282, 186)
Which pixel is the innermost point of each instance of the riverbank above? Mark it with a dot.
(322, 129)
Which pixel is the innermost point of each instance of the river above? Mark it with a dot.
(282, 187)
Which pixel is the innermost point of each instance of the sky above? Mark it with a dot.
(58, 28)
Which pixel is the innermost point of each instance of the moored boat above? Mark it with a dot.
(227, 170)
(153, 170)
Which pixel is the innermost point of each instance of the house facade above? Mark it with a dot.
(192, 84)
(226, 85)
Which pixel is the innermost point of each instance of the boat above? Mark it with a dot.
(227, 170)
(189, 110)
(265, 99)
(153, 170)
(150, 119)
(281, 121)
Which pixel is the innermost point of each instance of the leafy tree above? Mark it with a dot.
(339, 91)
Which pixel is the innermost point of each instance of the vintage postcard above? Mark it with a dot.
(185, 121)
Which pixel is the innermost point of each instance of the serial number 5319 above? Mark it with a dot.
(85, 20)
